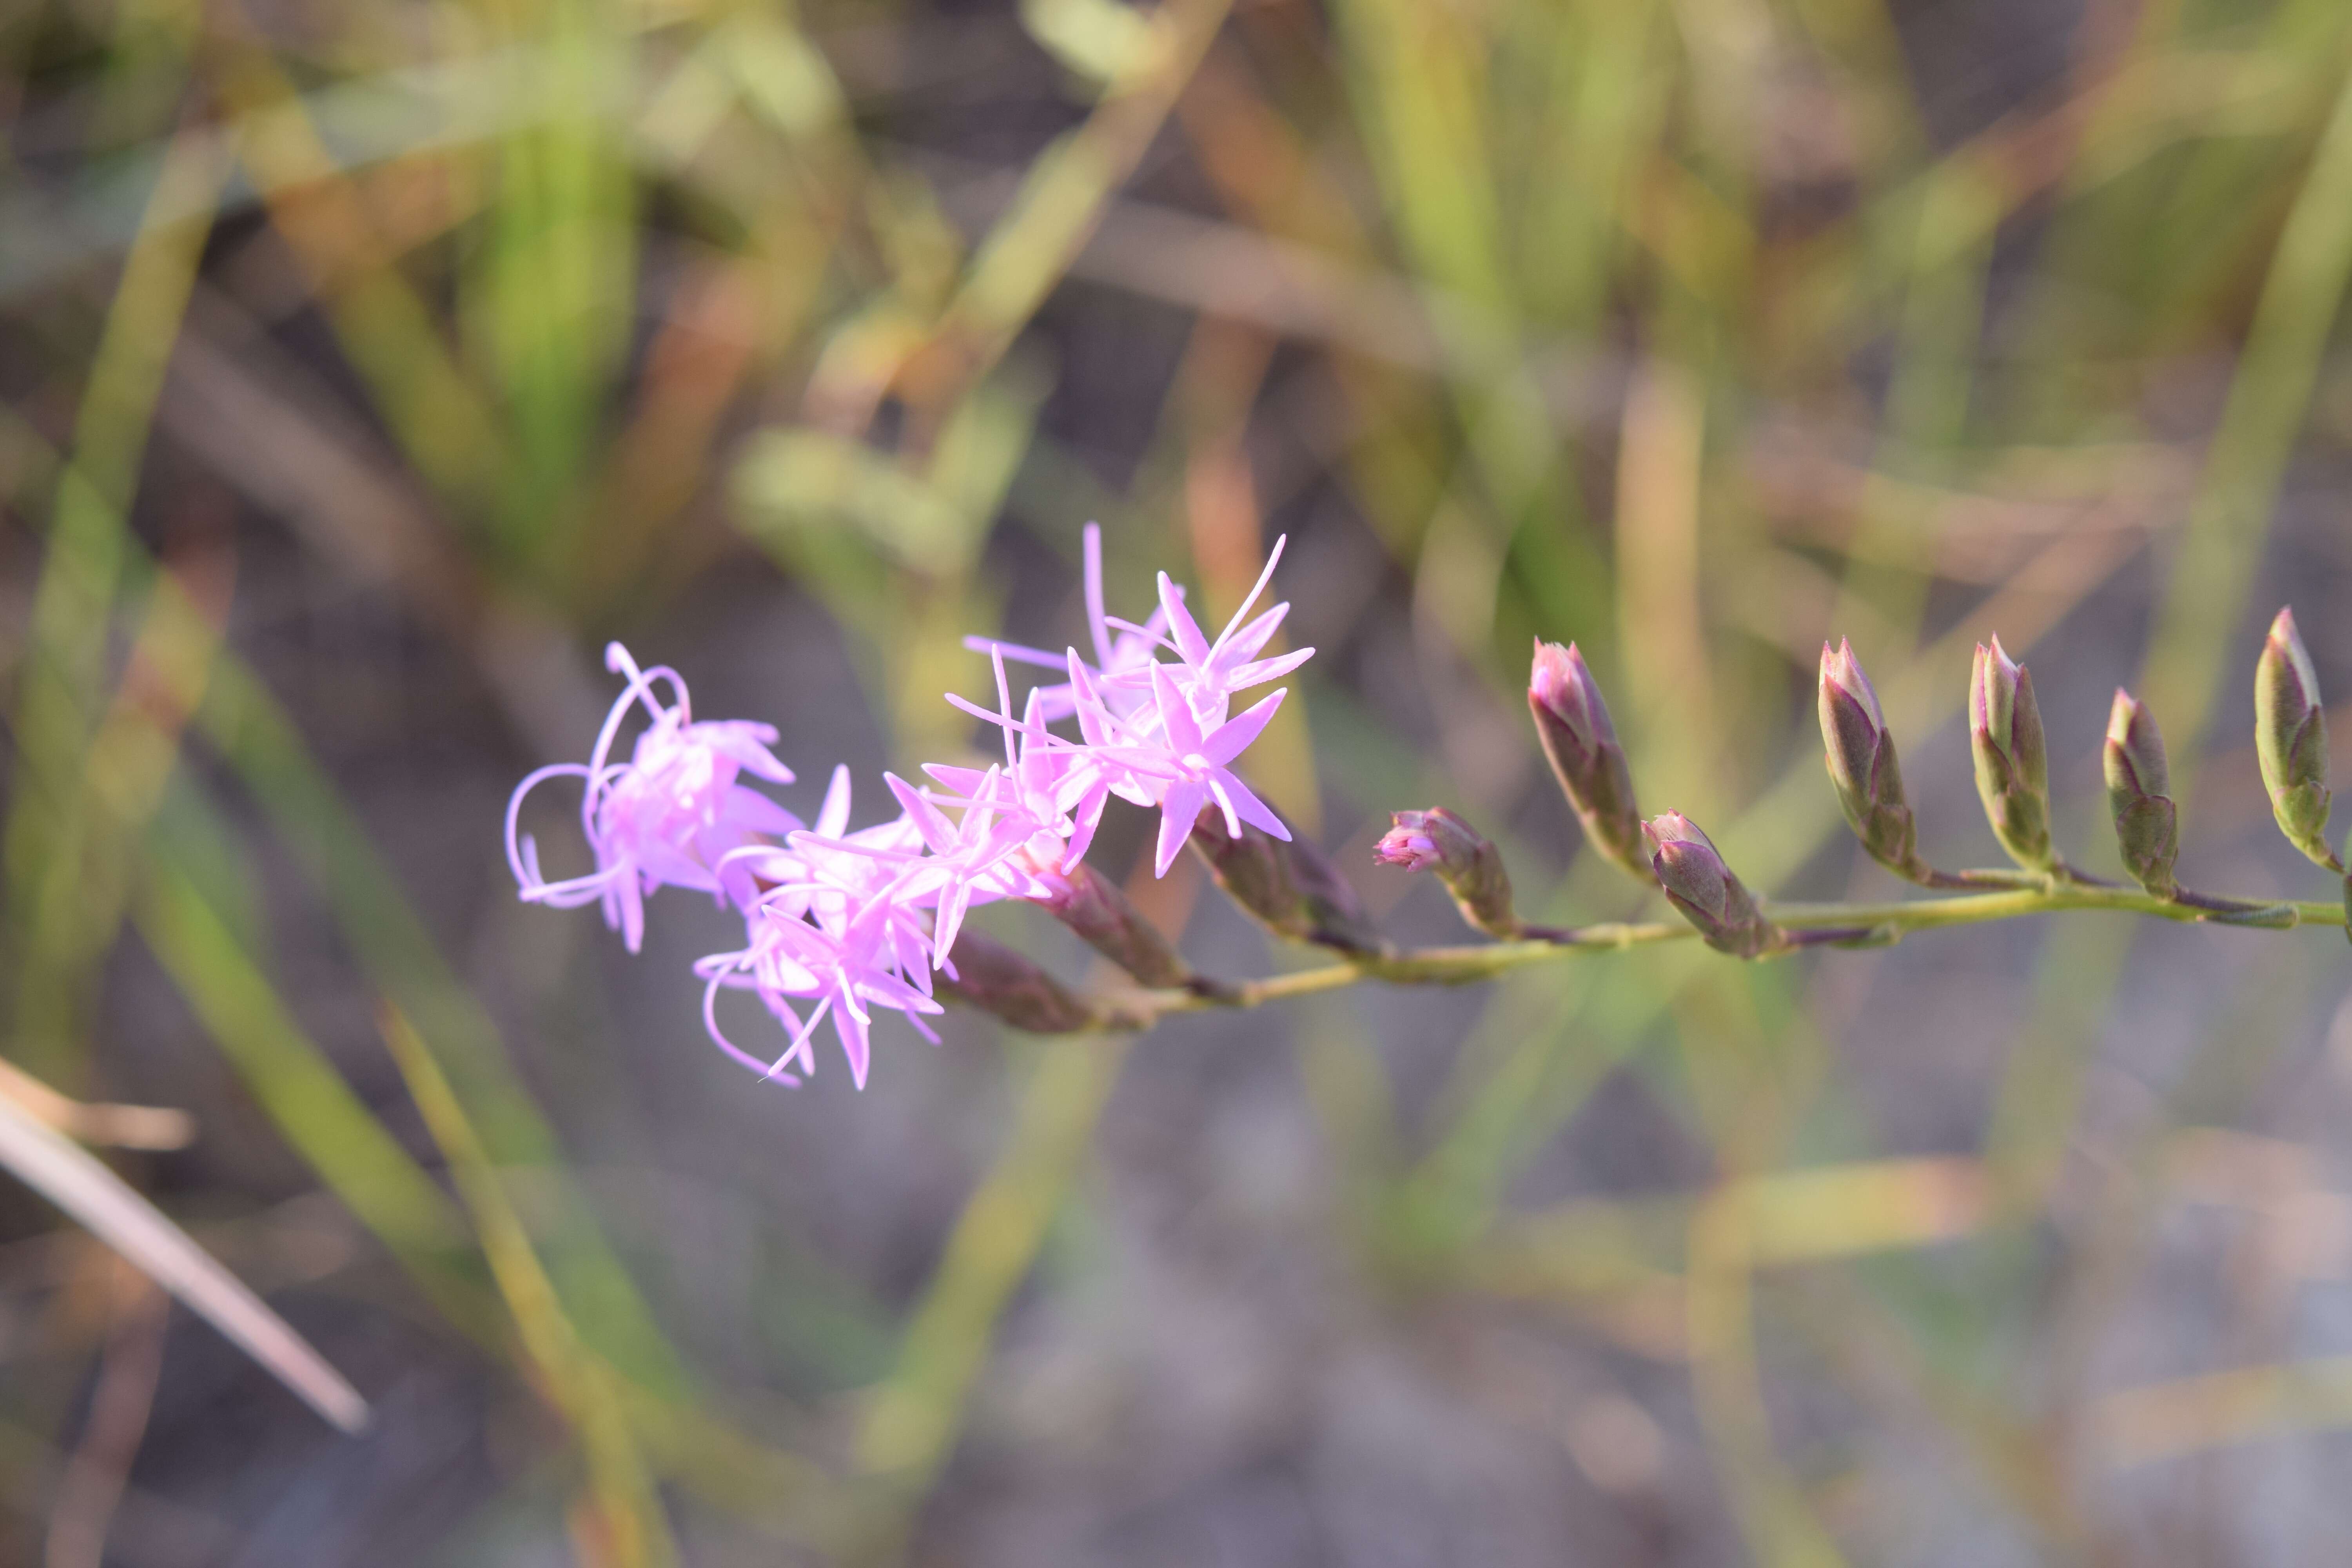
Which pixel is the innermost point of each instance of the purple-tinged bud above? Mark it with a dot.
(2147, 826)
(1291, 887)
(1705, 889)
(1408, 844)
(1470, 866)
(2013, 763)
(995, 979)
(1573, 722)
(1095, 907)
(2291, 740)
(1862, 764)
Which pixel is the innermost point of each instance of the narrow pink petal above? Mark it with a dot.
(929, 820)
(1240, 647)
(1264, 577)
(1090, 546)
(1092, 718)
(1014, 651)
(1253, 810)
(1183, 630)
(833, 815)
(633, 912)
(1178, 810)
(952, 903)
(854, 1044)
(1175, 713)
(1003, 705)
(1225, 804)
(963, 781)
(526, 868)
(1233, 737)
(1085, 817)
(1264, 670)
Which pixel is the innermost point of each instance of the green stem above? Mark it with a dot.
(1137, 1009)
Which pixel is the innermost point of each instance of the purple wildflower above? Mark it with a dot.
(673, 815)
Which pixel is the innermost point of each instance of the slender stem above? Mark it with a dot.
(1823, 922)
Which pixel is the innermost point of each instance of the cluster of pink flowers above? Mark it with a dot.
(839, 922)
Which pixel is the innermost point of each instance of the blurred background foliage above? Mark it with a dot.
(365, 367)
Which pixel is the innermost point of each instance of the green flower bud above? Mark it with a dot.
(1704, 889)
(1470, 866)
(2012, 764)
(1573, 722)
(1862, 764)
(2147, 827)
(2291, 740)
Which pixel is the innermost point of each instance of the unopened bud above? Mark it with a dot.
(1470, 866)
(1705, 889)
(1573, 722)
(1092, 906)
(2147, 826)
(2013, 765)
(995, 979)
(1861, 764)
(2291, 740)
(1290, 888)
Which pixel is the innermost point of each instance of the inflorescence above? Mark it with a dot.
(839, 922)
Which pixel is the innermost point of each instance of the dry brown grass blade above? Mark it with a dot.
(79, 1183)
(118, 1126)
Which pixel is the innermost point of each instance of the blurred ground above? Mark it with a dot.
(790, 346)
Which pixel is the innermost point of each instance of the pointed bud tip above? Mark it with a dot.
(2125, 709)
(2284, 641)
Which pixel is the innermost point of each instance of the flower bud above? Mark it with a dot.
(1470, 866)
(1704, 889)
(1861, 764)
(2147, 827)
(1573, 722)
(1290, 888)
(2012, 767)
(1092, 906)
(995, 979)
(2291, 740)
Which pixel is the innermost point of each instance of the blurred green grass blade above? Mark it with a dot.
(912, 1419)
(289, 1074)
(64, 674)
(402, 960)
(784, 77)
(636, 1532)
(1099, 39)
(2230, 515)
(802, 478)
(1418, 74)
(392, 336)
(86, 884)
(406, 111)
(1062, 193)
(86, 1189)
(548, 301)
